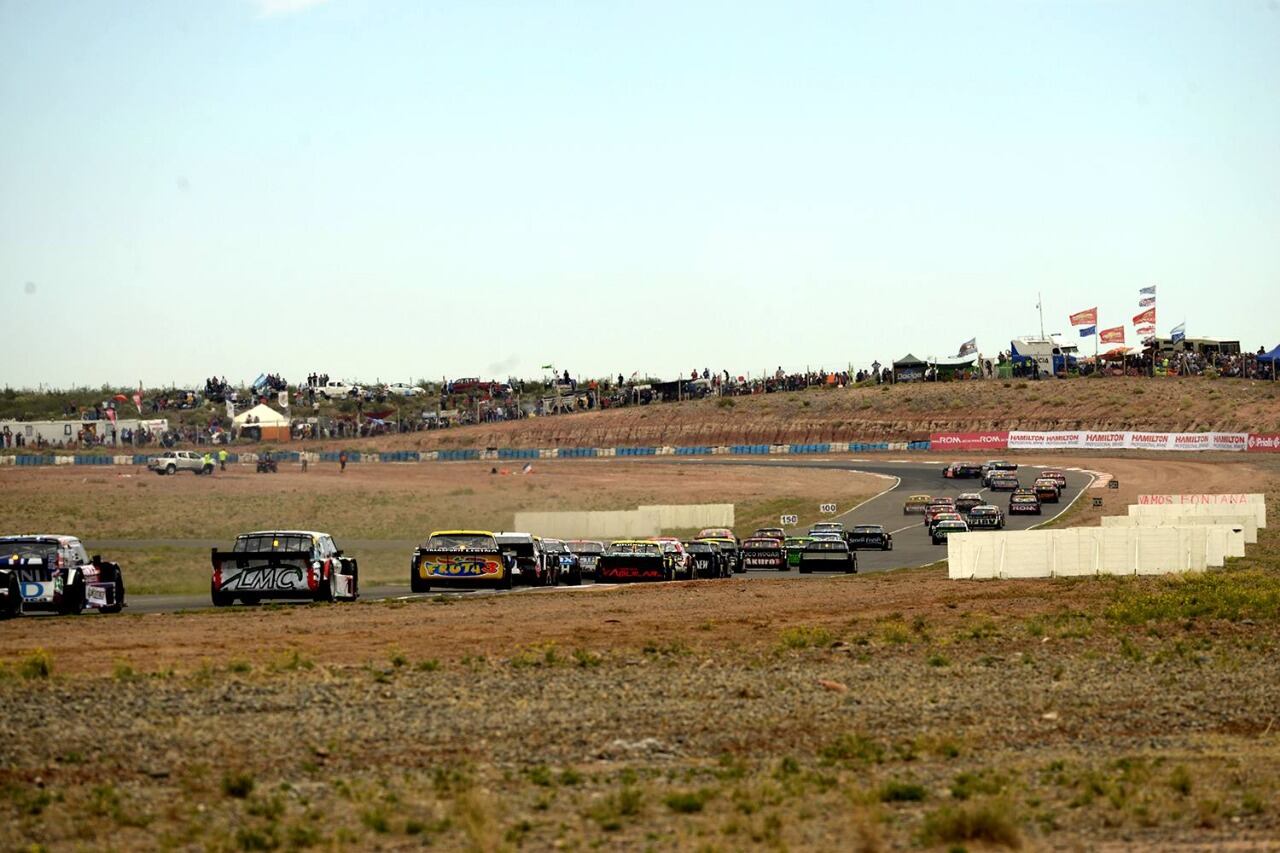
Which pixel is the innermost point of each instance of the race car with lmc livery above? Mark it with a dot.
(282, 564)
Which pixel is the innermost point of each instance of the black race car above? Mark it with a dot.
(1024, 505)
(870, 537)
(706, 560)
(828, 555)
(962, 471)
(986, 517)
(968, 500)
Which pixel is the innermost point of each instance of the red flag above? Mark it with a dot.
(1112, 336)
(1145, 318)
(111, 415)
(1085, 318)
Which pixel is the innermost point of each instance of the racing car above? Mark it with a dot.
(569, 571)
(705, 560)
(676, 556)
(939, 505)
(282, 564)
(916, 503)
(968, 500)
(871, 537)
(628, 561)
(466, 559)
(1000, 481)
(941, 517)
(728, 550)
(769, 533)
(587, 551)
(827, 555)
(943, 529)
(821, 527)
(962, 471)
(54, 573)
(1055, 475)
(793, 546)
(764, 553)
(1024, 505)
(998, 465)
(1047, 490)
(985, 517)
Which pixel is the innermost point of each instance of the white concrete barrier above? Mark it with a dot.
(1085, 551)
(1246, 524)
(1258, 511)
(1209, 500)
(641, 522)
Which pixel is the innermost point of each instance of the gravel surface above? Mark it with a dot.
(1144, 740)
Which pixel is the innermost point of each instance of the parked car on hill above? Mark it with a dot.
(173, 461)
(53, 572)
(283, 564)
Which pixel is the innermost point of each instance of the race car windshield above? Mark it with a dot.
(635, 548)
(282, 543)
(461, 542)
(28, 550)
(760, 544)
(863, 528)
(517, 549)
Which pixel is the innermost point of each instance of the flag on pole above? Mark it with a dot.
(1085, 318)
(1145, 330)
(1143, 303)
(1088, 331)
(1179, 332)
(1148, 291)
(1112, 336)
(137, 397)
(968, 346)
(1145, 318)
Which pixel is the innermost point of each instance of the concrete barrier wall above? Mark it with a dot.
(1258, 511)
(1246, 525)
(684, 516)
(1208, 499)
(1085, 551)
(637, 523)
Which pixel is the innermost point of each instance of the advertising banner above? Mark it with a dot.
(969, 441)
(1021, 440)
(1268, 442)
(1124, 440)
(1169, 500)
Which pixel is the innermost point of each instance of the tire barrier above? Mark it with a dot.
(506, 453)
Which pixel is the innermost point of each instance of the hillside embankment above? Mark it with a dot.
(885, 413)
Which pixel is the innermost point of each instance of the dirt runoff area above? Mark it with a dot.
(867, 713)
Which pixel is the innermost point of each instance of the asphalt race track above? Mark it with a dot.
(911, 545)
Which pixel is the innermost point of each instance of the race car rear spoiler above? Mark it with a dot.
(271, 558)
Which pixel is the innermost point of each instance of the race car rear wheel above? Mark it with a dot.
(72, 599)
(13, 599)
(220, 598)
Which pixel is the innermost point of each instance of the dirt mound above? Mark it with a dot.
(878, 413)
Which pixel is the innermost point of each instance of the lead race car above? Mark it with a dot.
(54, 573)
(283, 564)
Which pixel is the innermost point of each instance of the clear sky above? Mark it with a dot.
(415, 189)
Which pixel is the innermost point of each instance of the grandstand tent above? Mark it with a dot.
(1271, 358)
(267, 422)
(909, 369)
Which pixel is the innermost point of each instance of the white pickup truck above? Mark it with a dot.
(335, 390)
(173, 461)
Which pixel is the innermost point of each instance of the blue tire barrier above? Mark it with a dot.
(750, 449)
(693, 451)
(635, 451)
(518, 453)
(575, 452)
(457, 455)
